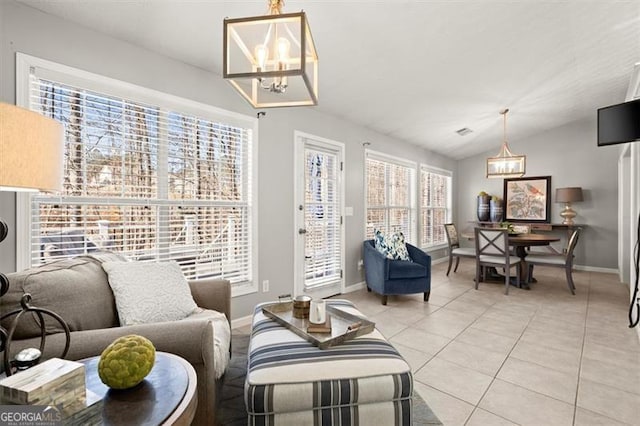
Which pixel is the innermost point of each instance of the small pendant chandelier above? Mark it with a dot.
(271, 60)
(506, 164)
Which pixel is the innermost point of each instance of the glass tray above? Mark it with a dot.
(344, 326)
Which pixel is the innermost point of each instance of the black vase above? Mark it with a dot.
(483, 208)
(495, 211)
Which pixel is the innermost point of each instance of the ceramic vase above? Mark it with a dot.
(495, 211)
(483, 208)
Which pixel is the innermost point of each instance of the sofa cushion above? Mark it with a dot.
(402, 270)
(76, 289)
(149, 292)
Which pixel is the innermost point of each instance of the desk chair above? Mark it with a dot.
(454, 247)
(492, 249)
(562, 260)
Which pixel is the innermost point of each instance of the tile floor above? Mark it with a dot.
(539, 357)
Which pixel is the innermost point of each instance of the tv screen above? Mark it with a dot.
(619, 123)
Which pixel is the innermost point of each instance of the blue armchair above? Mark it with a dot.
(386, 276)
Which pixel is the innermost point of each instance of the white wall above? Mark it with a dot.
(569, 154)
(26, 30)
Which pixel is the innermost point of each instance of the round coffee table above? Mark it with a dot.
(166, 396)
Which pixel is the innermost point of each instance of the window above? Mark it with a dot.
(390, 195)
(148, 175)
(435, 205)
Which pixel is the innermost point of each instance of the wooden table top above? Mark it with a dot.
(166, 396)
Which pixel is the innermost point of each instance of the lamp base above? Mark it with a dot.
(568, 214)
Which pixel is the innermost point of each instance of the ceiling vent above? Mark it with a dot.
(464, 131)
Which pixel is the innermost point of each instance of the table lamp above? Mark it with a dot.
(568, 196)
(31, 159)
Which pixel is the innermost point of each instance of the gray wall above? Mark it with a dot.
(29, 31)
(570, 156)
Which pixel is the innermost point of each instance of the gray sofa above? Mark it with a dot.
(78, 290)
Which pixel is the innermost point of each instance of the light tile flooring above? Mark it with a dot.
(539, 357)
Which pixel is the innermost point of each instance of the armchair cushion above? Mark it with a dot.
(401, 269)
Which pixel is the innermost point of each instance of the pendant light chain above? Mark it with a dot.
(506, 152)
(275, 7)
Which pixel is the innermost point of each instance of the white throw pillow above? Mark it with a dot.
(149, 292)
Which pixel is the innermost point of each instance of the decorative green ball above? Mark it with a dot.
(126, 361)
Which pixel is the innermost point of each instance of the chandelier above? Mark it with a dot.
(271, 60)
(506, 164)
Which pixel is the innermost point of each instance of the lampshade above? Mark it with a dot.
(568, 195)
(271, 60)
(31, 151)
(506, 164)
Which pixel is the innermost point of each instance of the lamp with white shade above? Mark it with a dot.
(31, 159)
(568, 196)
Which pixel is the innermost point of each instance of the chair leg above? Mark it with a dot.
(369, 289)
(570, 280)
(507, 278)
(426, 296)
(477, 274)
(450, 260)
(384, 299)
(457, 263)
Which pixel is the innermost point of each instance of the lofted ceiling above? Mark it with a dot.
(418, 70)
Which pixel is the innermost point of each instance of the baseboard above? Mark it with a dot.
(241, 322)
(440, 260)
(355, 287)
(595, 269)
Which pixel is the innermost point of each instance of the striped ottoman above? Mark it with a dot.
(290, 381)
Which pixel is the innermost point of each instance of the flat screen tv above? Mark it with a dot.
(619, 123)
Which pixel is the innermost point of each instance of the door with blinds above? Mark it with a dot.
(319, 233)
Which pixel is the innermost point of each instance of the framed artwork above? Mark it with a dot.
(527, 199)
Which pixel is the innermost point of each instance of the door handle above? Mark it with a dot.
(302, 231)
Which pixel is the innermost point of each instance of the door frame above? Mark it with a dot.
(299, 145)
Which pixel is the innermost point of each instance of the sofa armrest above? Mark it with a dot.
(212, 294)
(420, 257)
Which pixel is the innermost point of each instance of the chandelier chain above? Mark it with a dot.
(275, 7)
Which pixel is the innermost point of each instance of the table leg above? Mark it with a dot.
(521, 252)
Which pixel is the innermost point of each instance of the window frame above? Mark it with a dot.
(413, 208)
(114, 87)
(448, 209)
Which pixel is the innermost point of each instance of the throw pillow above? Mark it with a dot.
(393, 247)
(398, 246)
(149, 292)
(379, 242)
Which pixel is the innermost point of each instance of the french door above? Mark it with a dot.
(319, 232)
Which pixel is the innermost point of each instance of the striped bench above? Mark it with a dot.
(290, 381)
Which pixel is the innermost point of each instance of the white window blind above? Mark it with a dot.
(152, 182)
(323, 247)
(390, 200)
(435, 205)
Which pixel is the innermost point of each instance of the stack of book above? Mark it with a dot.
(58, 383)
